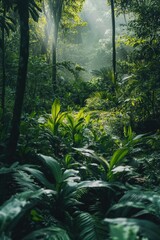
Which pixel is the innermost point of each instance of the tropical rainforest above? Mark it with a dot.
(79, 119)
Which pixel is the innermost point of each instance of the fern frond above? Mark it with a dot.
(11, 169)
(90, 227)
(25, 181)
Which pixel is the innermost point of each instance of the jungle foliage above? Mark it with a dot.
(79, 120)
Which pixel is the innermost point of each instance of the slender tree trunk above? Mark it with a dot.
(3, 67)
(56, 14)
(153, 104)
(21, 79)
(54, 57)
(113, 40)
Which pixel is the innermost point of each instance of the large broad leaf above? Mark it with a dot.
(118, 156)
(122, 169)
(70, 121)
(71, 175)
(56, 107)
(147, 200)
(12, 210)
(137, 203)
(127, 233)
(40, 177)
(86, 152)
(128, 209)
(139, 138)
(50, 233)
(53, 166)
(56, 118)
(147, 228)
(91, 154)
(94, 184)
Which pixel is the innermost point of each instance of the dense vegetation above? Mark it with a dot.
(80, 119)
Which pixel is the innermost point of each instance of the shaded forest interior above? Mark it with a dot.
(79, 120)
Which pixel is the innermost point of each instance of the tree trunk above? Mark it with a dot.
(21, 79)
(56, 14)
(54, 58)
(3, 66)
(113, 40)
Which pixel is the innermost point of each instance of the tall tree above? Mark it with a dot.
(113, 39)
(3, 59)
(66, 10)
(23, 11)
(56, 8)
(114, 62)
(6, 24)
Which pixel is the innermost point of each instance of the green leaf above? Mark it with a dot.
(10, 169)
(127, 233)
(36, 217)
(53, 166)
(117, 157)
(13, 209)
(122, 169)
(34, 14)
(147, 200)
(91, 153)
(40, 177)
(70, 174)
(94, 184)
(89, 227)
(139, 137)
(70, 121)
(56, 107)
(50, 233)
(147, 228)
